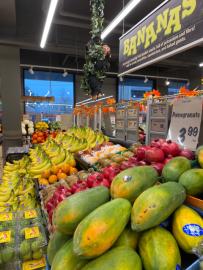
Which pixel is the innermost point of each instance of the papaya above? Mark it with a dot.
(72, 210)
(156, 204)
(128, 238)
(117, 258)
(56, 241)
(130, 183)
(174, 168)
(66, 259)
(99, 230)
(187, 227)
(199, 155)
(192, 181)
(158, 250)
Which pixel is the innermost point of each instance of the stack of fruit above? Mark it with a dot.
(17, 190)
(39, 137)
(41, 126)
(100, 228)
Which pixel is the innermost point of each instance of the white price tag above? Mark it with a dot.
(185, 122)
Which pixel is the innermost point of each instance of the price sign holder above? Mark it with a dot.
(186, 122)
(157, 120)
(121, 122)
(132, 121)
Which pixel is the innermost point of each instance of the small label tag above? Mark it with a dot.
(6, 216)
(30, 214)
(5, 237)
(193, 230)
(178, 267)
(35, 264)
(32, 232)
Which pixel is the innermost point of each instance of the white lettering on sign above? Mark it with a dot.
(185, 122)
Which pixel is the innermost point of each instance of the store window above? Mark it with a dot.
(133, 89)
(175, 86)
(48, 84)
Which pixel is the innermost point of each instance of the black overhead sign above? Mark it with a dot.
(173, 27)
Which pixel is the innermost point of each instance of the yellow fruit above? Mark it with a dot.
(65, 168)
(73, 170)
(55, 170)
(46, 174)
(61, 175)
(43, 181)
(72, 162)
(52, 179)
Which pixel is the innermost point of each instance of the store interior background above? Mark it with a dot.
(21, 25)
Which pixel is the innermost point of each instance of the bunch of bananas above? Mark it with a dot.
(16, 189)
(41, 126)
(39, 162)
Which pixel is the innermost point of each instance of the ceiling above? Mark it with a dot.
(22, 21)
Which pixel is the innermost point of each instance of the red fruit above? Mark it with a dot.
(154, 155)
(105, 183)
(133, 160)
(187, 153)
(74, 188)
(158, 167)
(96, 184)
(141, 163)
(167, 160)
(171, 148)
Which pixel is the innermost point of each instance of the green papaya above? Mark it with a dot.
(199, 155)
(130, 183)
(118, 258)
(72, 210)
(65, 258)
(99, 230)
(174, 168)
(156, 204)
(192, 181)
(159, 250)
(56, 241)
(128, 238)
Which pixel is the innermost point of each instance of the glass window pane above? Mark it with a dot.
(175, 86)
(48, 84)
(133, 89)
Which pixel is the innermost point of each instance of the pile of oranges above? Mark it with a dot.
(56, 173)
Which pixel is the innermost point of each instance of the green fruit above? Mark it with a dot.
(25, 248)
(1, 261)
(38, 243)
(130, 183)
(72, 210)
(174, 168)
(55, 243)
(128, 238)
(155, 205)
(159, 250)
(65, 258)
(99, 230)
(22, 232)
(7, 254)
(27, 256)
(192, 181)
(37, 254)
(118, 258)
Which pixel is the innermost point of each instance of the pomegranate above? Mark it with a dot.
(171, 148)
(154, 155)
(187, 153)
(158, 167)
(141, 152)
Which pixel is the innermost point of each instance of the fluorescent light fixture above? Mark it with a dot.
(126, 10)
(201, 64)
(50, 15)
(146, 79)
(121, 79)
(65, 73)
(167, 82)
(31, 71)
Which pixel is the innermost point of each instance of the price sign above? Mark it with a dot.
(158, 125)
(5, 237)
(120, 124)
(185, 122)
(35, 264)
(132, 124)
(6, 216)
(30, 214)
(158, 110)
(120, 113)
(32, 232)
(132, 113)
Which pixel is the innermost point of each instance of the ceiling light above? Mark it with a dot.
(146, 79)
(126, 10)
(121, 79)
(65, 73)
(167, 82)
(50, 15)
(31, 71)
(201, 64)
(96, 100)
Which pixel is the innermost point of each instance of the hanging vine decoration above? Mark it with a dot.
(97, 58)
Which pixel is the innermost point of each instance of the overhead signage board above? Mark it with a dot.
(185, 122)
(175, 26)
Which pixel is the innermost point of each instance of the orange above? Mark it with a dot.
(34, 141)
(55, 170)
(65, 168)
(73, 170)
(61, 175)
(52, 179)
(46, 174)
(34, 136)
(43, 181)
